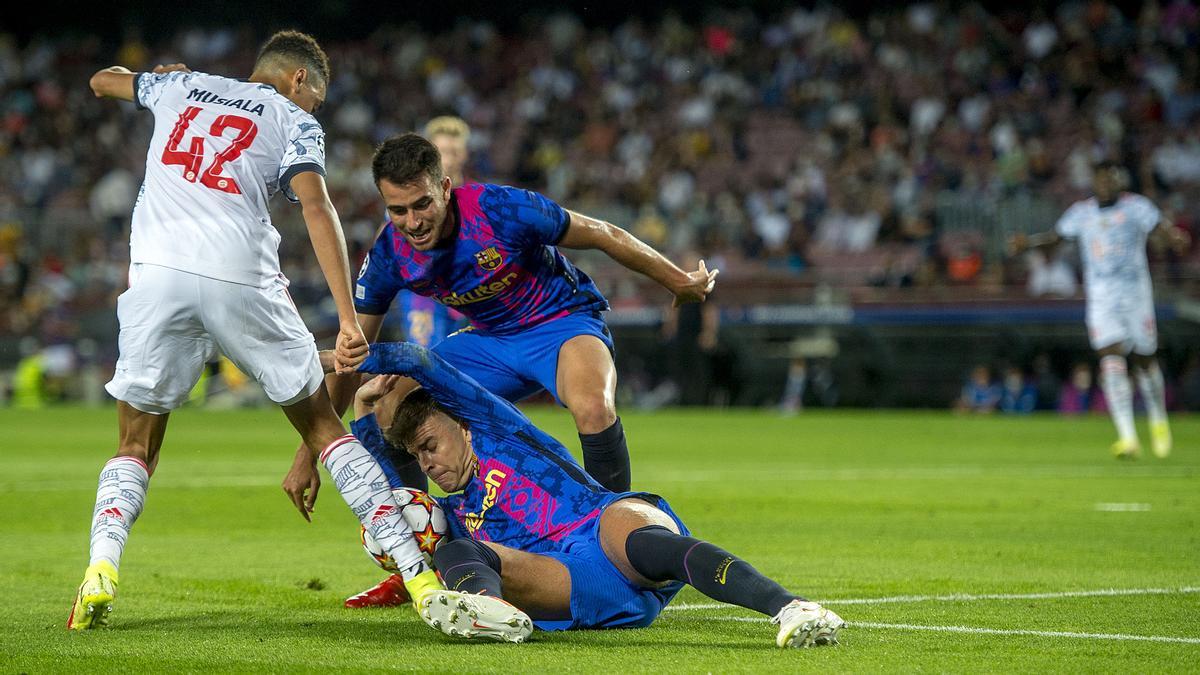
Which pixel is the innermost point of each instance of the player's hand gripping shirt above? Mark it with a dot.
(221, 147)
(528, 493)
(501, 269)
(1112, 242)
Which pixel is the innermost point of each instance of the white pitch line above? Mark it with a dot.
(994, 631)
(1038, 633)
(1121, 507)
(967, 597)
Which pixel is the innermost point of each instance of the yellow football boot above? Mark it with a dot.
(1123, 449)
(1160, 439)
(94, 601)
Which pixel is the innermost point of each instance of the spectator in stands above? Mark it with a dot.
(796, 132)
(1018, 395)
(979, 393)
(1045, 382)
(1051, 275)
(1079, 393)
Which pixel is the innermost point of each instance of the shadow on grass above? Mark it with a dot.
(208, 625)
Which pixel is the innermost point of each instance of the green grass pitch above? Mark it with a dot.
(850, 508)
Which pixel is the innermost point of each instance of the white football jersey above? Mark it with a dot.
(221, 147)
(1112, 242)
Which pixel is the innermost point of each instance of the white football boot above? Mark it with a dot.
(803, 623)
(466, 615)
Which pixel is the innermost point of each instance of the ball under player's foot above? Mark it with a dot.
(1160, 439)
(465, 615)
(388, 593)
(94, 601)
(803, 623)
(1126, 449)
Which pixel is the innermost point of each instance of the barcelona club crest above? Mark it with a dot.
(489, 258)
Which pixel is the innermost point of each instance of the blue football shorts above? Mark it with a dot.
(521, 364)
(601, 596)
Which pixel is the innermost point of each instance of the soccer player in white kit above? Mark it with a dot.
(204, 276)
(1112, 228)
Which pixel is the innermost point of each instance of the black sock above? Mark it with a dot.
(468, 566)
(661, 555)
(606, 457)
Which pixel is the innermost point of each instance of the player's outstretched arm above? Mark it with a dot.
(1020, 243)
(120, 82)
(585, 232)
(450, 387)
(329, 243)
(114, 82)
(1168, 236)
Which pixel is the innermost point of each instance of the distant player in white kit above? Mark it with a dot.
(205, 276)
(1112, 228)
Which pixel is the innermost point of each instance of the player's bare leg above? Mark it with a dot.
(485, 585)
(644, 543)
(1118, 392)
(1150, 382)
(587, 385)
(119, 499)
(359, 480)
(314, 419)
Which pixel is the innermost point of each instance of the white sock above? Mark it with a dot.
(365, 488)
(119, 500)
(1150, 382)
(1119, 393)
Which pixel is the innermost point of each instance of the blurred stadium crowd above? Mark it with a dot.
(894, 149)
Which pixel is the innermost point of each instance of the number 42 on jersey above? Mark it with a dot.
(192, 158)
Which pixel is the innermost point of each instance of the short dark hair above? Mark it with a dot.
(411, 412)
(294, 47)
(1105, 165)
(405, 159)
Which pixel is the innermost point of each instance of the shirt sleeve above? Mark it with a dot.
(148, 88)
(366, 430)
(526, 217)
(454, 390)
(378, 283)
(1143, 213)
(1068, 225)
(305, 151)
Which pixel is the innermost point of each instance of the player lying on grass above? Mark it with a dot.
(530, 527)
(494, 253)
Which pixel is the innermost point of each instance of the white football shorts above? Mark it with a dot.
(173, 322)
(1126, 319)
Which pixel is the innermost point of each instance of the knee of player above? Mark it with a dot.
(593, 414)
(457, 551)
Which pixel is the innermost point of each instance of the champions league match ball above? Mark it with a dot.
(426, 518)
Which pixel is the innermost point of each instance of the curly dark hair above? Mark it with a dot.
(294, 47)
(406, 158)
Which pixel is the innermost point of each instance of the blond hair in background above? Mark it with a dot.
(450, 134)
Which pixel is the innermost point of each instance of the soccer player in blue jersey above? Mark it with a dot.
(491, 252)
(425, 320)
(530, 528)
